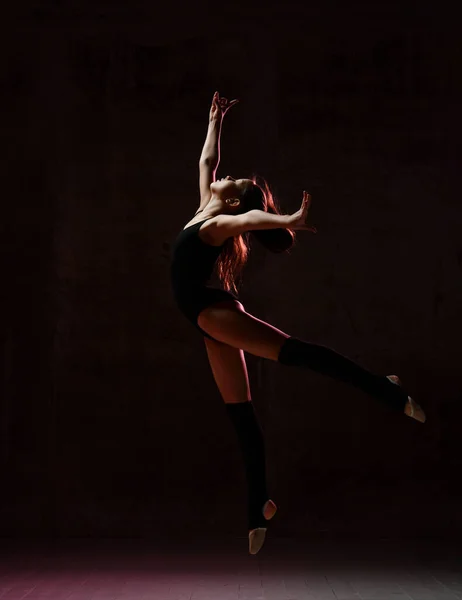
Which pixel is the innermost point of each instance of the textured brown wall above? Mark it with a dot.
(110, 419)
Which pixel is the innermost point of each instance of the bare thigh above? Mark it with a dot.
(229, 370)
(228, 322)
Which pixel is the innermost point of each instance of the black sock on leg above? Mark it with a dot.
(296, 352)
(251, 441)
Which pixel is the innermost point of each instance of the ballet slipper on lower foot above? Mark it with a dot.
(412, 409)
(257, 536)
(256, 539)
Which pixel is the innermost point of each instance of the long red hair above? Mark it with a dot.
(233, 257)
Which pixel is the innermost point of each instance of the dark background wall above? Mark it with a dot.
(111, 423)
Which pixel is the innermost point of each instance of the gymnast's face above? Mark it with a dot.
(229, 188)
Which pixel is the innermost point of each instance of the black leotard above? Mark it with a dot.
(192, 262)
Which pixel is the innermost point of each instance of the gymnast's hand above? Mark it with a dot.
(299, 219)
(220, 107)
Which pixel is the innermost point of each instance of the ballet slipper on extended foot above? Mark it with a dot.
(257, 536)
(412, 409)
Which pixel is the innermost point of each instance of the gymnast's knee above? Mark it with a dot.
(290, 351)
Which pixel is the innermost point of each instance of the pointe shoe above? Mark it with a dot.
(257, 536)
(412, 409)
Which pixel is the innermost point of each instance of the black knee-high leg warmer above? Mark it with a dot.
(296, 352)
(252, 445)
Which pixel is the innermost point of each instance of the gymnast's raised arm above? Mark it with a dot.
(210, 156)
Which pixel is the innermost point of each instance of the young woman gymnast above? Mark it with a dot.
(218, 237)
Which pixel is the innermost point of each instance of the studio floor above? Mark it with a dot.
(214, 569)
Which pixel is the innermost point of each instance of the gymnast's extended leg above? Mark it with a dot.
(228, 322)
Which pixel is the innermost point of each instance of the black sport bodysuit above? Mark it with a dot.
(192, 262)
